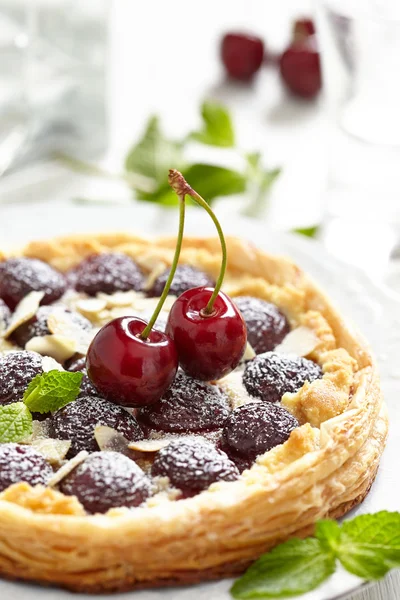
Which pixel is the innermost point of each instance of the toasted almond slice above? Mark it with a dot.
(110, 439)
(50, 364)
(249, 352)
(61, 323)
(40, 431)
(91, 306)
(53, 450)
(67, 468)
(156, 272)
(24, 311)
(120, 298)
(149, 445)
(58, 347)
(6, 346)
(300, 341)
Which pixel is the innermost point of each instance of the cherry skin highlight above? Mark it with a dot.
(128, 370)
(209, 346)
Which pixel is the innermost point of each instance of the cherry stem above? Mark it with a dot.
(181, 187)
(146, 331)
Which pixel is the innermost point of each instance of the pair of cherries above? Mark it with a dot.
(132, 364)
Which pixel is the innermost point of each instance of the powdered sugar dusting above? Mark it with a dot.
(22, 463)
(17, 369)
(107, 480)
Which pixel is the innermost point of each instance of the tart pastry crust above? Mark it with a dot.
(326, 467)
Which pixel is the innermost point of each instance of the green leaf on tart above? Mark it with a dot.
(53, 390)
(15, 422)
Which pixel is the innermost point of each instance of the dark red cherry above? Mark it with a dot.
(266, 324)
(77, 421)
(127, 369)
(271, 375)
(22, 463)
(106, 273)
(242, 55)
(107, 480)
(19, 276)
(300, 68)
(257, 427)
(185, 277)
(192, 465)
(209, 346)
(17, 369)
(187, 406)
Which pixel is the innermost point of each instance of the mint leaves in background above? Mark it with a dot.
(149, 159)
(367, 546)
(45, 393)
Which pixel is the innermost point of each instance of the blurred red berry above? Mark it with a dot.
(302, 29)
(242, 55)
(300, 68)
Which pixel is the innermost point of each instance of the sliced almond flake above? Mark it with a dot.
(53, 450)
(67, 468)
(150, 262)
(249, 352)
(156, 272)
(233, 386)
(62, 324)
(58, 347)
(90, 306)
(6, 346)
(50, 364)
(24, 311)
(149, 445)
(110, 439)
(300, 341)
(40, 431)
(120, 298)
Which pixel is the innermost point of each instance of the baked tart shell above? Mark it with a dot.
(326, 467)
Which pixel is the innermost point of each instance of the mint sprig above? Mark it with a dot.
(52, 390)
(15, 422)
(367, 546)
(149, 159)
(217, 126)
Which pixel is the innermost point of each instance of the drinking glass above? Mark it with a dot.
(53, 58)
(360, 54)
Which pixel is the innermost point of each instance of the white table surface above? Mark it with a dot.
(158, 45)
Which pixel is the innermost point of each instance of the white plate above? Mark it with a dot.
(374, 311)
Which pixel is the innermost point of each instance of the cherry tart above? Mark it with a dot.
(182, 432)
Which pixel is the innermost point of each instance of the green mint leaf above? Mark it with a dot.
(154, 154)
(213, 182)
(290, 569)
(15, 422)
(209, 181)
(307, 231)
(53, 390)
(328, 533)
(370, 544)
(217, 127)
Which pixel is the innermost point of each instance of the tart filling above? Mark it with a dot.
(210, 431)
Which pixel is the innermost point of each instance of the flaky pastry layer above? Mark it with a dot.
(326, 467)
